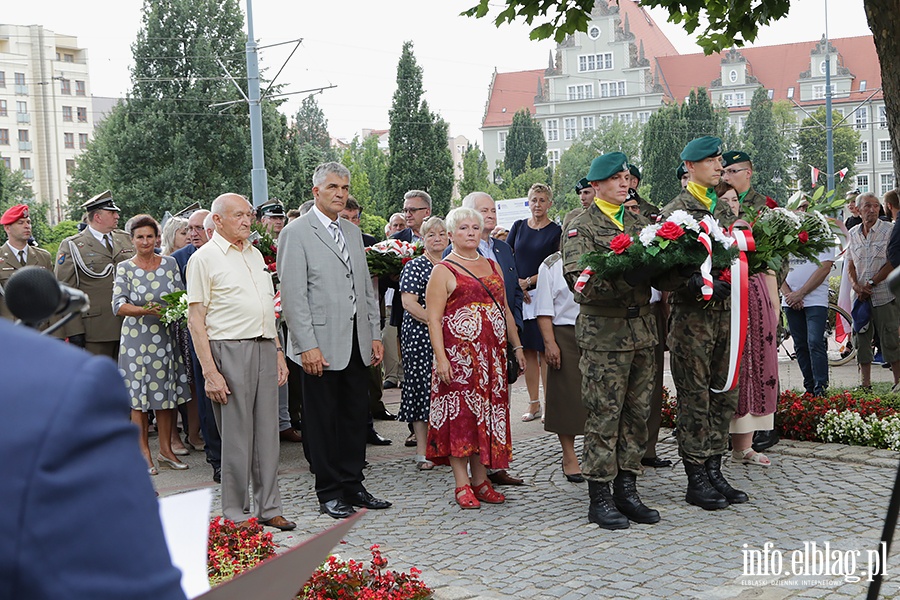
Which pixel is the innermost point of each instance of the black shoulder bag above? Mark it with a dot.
(512, 365)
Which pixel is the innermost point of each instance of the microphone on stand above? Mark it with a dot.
(34, 295)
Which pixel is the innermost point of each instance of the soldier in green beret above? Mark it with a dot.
(682, 175)
(585, 192)
(699, 340)
(616, 332)
(651, 211)
(738, 172)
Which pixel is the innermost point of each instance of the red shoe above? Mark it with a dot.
(486, 493)
(466, 498)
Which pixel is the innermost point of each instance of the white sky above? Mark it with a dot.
(355, 44)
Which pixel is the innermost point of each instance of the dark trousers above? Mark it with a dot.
(808, 332)
(335, 412)
(295, 398)
(207, 421)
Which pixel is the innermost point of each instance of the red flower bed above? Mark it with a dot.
(797, 416)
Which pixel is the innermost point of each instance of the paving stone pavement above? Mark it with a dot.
(539, 544)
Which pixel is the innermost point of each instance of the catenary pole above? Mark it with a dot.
(258, 178)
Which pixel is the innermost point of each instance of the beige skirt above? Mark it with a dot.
(564, 412)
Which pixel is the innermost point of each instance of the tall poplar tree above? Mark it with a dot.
(525, 144)
(419, 154)
(766, 147)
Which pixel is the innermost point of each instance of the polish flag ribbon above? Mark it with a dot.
(739, 287)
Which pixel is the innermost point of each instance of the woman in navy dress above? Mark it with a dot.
(533, 240)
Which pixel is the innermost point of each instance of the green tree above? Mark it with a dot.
(311, 125)
(811, 142)
(664, 138)
(419, 156)
(476, 176)
(368, 167)
(14, 189)
(165, 145)
(727, 23)
(612, 136)
(525, 143)
(766, 147)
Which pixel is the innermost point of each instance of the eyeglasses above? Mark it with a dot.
(414, 210)
(733, 171)
(633, 207)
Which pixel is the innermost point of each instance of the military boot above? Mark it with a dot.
(714, 472)
(628, 502)
(700, 491)
(603, 511)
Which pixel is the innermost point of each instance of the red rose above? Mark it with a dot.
(670, 231)
(771, 203)
(725, 275)
(620, 243)
(272, 267)
(803, 237)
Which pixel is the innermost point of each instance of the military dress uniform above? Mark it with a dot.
(84, 262)
(9, 265)
(699, 343)
(616, 332)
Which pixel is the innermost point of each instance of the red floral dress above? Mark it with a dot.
(470, 414)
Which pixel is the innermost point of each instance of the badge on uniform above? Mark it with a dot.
(61, 259)
(572, 233)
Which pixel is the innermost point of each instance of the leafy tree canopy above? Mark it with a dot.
(811, 141)
(525, 143)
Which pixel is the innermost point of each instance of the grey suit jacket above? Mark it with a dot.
(316, 292)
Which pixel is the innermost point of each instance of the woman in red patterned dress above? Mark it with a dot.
(468, 323)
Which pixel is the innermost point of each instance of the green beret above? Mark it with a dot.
(680, 172)
(634, 171)
(701, 148)
(582, 184)
(733, 157)
(605, 166)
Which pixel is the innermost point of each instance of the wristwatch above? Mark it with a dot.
(870, 282)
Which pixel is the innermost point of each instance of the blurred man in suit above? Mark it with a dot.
(332, 315)
(71, 496)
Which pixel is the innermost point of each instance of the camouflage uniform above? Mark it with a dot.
(616, 331)
(699, 342)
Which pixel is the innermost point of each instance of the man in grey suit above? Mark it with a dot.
(332, 315)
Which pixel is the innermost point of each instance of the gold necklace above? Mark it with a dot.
(465, 257)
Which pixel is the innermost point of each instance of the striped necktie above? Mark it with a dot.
(339, 240)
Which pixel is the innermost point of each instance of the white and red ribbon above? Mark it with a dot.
(583, 279)
(739, 288)
(706, 266)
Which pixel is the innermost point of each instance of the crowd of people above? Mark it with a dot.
(453, 329)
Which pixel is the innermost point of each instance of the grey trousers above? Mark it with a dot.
(249, 427)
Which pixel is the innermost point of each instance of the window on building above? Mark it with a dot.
(882, 117)
(2, 79)
(69, 58)
(82, 140)
(25, 164)
(4, 137)
(79, 88)
(862, 85)
(794, 153)
(887, 183)
(861, 117)
(740, 98)
(3, 108)
(20, 78)
(606, 119)
(627, 118)
(790, 92)
(23, 135)
(70, 166)
(501, 141)
(728, 99)
(587, 123)
(862, 183)
(7, 162)
(741, 121)
(863, 156)
(610, 89)
(570, 128)
(885, 154)
(643, 117)
(770, 94)
(581, 92)
(552, 130)
(21, 107)
(82, 117)
(553, 158)
(595, 62)
(65, 87)
(67, 113)
(69, 140)
(819, 91)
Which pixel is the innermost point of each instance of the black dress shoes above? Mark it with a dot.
(366, 500)
(376, 440)
(384, 415)
(336, 509)
(656, 462)
(389, 385)
(217, 474)
(763, 440)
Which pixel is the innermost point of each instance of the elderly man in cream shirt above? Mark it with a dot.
(231, 315)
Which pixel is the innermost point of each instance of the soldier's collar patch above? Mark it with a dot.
(572, 233)
(61, 259)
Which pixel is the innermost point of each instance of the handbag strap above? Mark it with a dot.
(478, 280)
